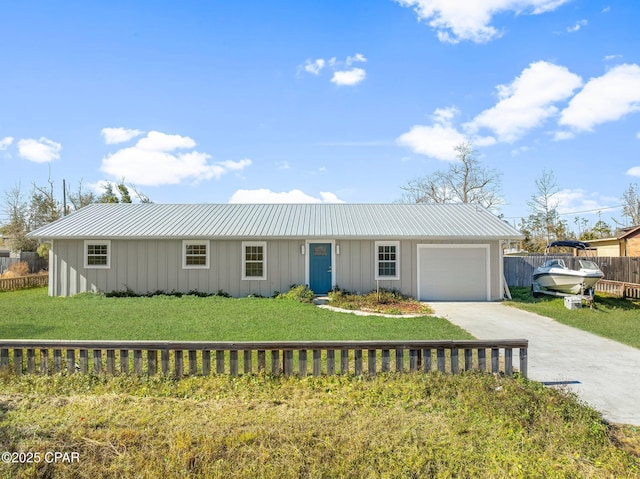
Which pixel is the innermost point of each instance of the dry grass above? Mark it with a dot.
(259, 426)
(15, 270)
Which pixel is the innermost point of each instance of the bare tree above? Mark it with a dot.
(544, 221)
(43, 207)
(631, 204)
(81, 197)
(466, 181)
(15, 229)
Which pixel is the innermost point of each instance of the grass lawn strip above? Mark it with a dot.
(613, 318)
(31, 314)
(409, 425)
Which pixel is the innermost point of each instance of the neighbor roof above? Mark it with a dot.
(166, 221)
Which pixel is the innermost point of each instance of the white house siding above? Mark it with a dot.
(152, 265)
(356, 266)
(156, 265)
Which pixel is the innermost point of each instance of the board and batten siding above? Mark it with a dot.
(356, 266)
(156, 265)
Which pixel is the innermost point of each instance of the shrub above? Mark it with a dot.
(299, 293)
(19, 269)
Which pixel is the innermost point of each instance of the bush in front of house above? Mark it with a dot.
(388, 301)
(299, 293)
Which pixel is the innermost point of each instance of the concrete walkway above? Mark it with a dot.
(604, 373)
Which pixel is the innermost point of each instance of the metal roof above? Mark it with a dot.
(246, 221)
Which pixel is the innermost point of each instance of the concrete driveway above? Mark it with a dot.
(604, 373)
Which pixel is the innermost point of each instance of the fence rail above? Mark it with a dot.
(10, 284)
(618, 288)
(234, 358)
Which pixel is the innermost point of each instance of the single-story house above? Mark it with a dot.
(627, 243)
(430, 252)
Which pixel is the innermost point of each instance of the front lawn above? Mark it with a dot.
(613, 318)
(31, 314)
(387, 426)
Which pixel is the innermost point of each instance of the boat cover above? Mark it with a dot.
(569, 244)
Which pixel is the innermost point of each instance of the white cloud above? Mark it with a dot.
(157, 141)
(436, 141)
(608, 58)
(293, 196)
(314, 67)
(579, 24)
(119, 135)
(456, 20)
(633, 171)
(39, 151)
(527, 101)
(440, 139)
(5, 142)
(563, 135)
(153, 161)
(605, 98)
(343, 74)
(358, 57)
(348, 77)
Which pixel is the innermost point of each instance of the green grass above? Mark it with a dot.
(613, 318)
(31, 314)
(395, 426)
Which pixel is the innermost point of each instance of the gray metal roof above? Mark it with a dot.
(246, 221)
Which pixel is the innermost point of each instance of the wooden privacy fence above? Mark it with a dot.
(10, 284)
(518, 270)
(288, 358)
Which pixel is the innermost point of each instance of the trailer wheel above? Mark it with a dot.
(534, 293)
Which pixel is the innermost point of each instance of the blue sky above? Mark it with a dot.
(329, 100)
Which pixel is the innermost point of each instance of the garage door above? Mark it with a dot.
(453, 272)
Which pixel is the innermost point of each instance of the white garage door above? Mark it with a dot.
(453, 272)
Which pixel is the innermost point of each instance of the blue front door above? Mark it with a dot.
(320, 267)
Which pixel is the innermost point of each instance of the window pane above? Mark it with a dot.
(387, 269)
(196, 249)
(97, 260)
(196, 260)
(253, 253)
(319, 251)
(254, 269)
(97, 254)
(97, 249)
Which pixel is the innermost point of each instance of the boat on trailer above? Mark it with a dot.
(555, 277)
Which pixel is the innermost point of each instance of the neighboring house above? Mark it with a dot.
(431, 252)
(627, 243)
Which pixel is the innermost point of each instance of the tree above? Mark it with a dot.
(466, 181)
(43, 206)
(631, 204)
(81, 197)
(15, 230)
(544, 205)
(123, 194)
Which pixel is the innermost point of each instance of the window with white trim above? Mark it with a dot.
(387, 260)
(97, 254)
(254, 260)
(195, 254)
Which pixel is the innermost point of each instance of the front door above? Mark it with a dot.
(320, 267)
